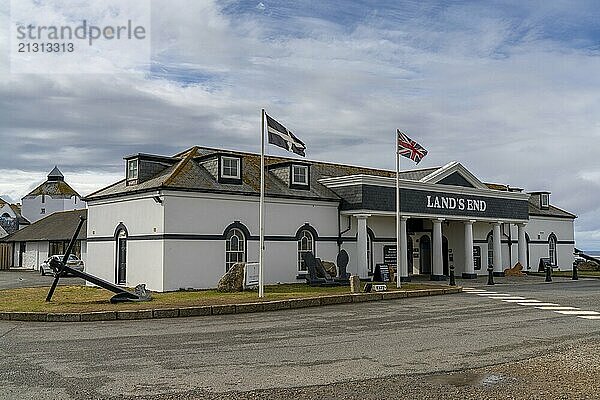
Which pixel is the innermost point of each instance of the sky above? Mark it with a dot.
(510, 89)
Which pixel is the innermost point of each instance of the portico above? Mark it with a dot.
(445, 219)
(430, 245)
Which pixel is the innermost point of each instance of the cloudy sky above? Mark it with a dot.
(511, 89)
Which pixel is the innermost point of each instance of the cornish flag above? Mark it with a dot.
(280, 136)
(409, 148)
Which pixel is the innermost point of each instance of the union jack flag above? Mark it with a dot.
(409, 148)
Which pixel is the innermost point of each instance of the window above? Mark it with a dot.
(300, 175)
(544, 200)
(306, 244)
(235, 248)
(490, 245)
(477, 257)
(43, 198)
(230, 167)
(370, 254)
(132, 169)
(552, 249)
(43, 211)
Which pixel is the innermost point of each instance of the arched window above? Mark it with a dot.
(490, 250)
(552, 249)
(5, 215)
(235, 247)
(370, 237)
(306, 244)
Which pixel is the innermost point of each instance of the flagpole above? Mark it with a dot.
(261, 212)
(398, 277)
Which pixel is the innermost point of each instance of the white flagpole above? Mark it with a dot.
(398, 277)
(261, 212)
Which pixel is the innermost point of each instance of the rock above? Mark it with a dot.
(233, 280)
(517, 270)
(588, 266)
(330, 268)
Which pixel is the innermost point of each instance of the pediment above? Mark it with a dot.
(454, 174)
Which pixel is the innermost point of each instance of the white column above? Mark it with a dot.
(498, 269)
(522, 246)
(438, 262)
(362, 262)
(469, 271)
(403, 268)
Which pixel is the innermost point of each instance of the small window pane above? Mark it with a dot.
(230, 167)
(234, 248)
(300, 175)
(132, 169)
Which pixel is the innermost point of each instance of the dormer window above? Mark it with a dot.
(132, 169)
(545, 200)
(230, 170)
(299, 176)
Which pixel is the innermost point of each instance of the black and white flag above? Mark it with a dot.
(280, 136)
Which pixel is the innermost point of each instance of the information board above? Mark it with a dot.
(389, 255)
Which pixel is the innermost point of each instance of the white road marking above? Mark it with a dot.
(579, 312)
(521, 301)
(495, 294)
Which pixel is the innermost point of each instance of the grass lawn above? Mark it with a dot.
(85, 299)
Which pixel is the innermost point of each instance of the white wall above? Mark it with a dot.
(31, 207)
(539, 230)
(35, 254)
(201, 263)
(142, 217)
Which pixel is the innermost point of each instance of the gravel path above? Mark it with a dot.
(572, 373)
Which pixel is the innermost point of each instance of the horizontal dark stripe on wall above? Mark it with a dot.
(175, 236)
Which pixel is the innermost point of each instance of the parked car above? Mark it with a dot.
(72, 262)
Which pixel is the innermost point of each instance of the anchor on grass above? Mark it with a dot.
(61, 268)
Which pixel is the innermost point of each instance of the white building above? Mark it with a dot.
(181, 221)
(51, 196)
(51, 235)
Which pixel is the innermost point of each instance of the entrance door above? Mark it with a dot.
(425, 250)
(22, 248)
(445, 255)
(122, 259)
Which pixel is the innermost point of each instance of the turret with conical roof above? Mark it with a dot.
(51, 196)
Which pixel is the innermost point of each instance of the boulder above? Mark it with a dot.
(330, 268)
(588, 266)
(517, 270)
(233, 280)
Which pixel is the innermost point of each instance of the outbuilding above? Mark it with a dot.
(46, 237)
(181, 221)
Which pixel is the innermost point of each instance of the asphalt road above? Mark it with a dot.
(26, 278)
(315, 351)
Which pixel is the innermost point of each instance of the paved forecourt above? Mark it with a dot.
(315, 346)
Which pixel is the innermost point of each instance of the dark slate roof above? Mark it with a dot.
(56, 226)
(55, 175)
(189, 174)
(552, 211)
(54, 189)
